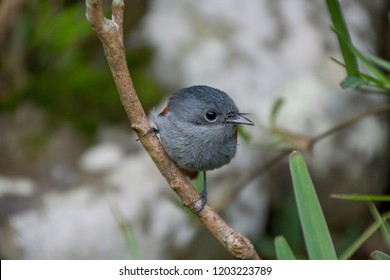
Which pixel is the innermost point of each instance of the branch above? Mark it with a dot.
(299, 142)
(110, 33)
(351, 121)
(8, 15)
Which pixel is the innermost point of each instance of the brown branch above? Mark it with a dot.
(110, 33)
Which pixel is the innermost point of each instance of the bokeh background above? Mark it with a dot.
(75, 183)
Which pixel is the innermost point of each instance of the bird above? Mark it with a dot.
(198, 130)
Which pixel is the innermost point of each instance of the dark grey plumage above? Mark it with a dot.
(191, 135)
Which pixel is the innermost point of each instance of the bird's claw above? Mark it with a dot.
(151, 130)
(200, 203)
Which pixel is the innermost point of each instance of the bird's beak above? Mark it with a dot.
(238, 119)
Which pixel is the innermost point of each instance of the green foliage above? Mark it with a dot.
(362, 197)
(283, 250)
(380, 256)
(285, 222)
(278, 104)
(352, 82)
(62, 67)
(381, 222)
(343, 37)
(317, 237)
(376, 80)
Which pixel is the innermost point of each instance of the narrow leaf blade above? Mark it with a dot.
(283, 249)
(378, 255)
(361, 197)
(363, 59)
(352, 82)
(278, 104)
(378, 61)
(339, 24)
(317, 237)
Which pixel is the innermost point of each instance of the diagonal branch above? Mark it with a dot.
(110, 33)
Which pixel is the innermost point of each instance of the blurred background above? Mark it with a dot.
(75, 183)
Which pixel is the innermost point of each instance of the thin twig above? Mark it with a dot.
(346, 123)
(299, 142)
(255, 172)
(110, 34)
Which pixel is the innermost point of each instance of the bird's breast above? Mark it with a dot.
(199, 147)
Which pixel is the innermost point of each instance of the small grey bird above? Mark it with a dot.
(198, 130)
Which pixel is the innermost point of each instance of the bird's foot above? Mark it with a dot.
(200, 203)
(151, 130)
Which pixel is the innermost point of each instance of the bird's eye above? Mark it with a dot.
(211, 116)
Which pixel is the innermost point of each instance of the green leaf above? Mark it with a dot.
(378, 61)
(362, 81)
(361, 197)
(378, 255)
(278, 104)
(337, 62)
(371, 67)
(367, 64)
(127, 232)
(351, 56)
(359, 241)
(352, 82)
(283, 250)
(364, 237)
(382, 221)
(317, 237)
(343, 37)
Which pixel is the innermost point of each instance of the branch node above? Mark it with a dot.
(110, 24)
